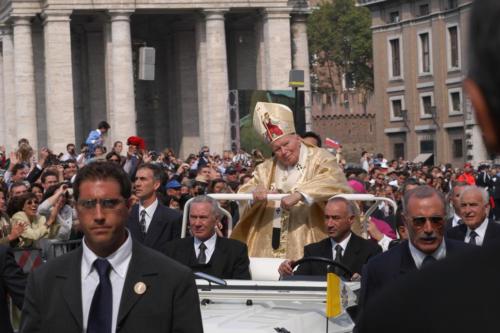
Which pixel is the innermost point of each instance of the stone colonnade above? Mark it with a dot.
(279, 30)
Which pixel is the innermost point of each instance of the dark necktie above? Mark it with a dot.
(142, 222)
(428, 260)
(101, 309)
(473, 236)
(202, 257)
(338, 253)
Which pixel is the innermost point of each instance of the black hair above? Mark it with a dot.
(103, 171)
(48, 173)
(313, 135)
(16, 204)
(17, 167)
(103, 124)
(158, 173)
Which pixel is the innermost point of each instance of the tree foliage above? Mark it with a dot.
(340, 41)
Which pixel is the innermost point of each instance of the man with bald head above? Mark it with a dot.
(475, 208)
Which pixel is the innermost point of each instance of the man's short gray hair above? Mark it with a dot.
(484, 193)
(215, 208)
(422, 192)
(352, 209)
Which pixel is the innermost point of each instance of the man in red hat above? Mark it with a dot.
(468, 175)
(136, 148)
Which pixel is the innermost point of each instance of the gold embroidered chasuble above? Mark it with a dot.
(317, 176)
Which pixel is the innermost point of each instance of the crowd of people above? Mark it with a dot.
(37, 206)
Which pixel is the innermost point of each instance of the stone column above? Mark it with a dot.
(277, 48)
(2, 107)
(123, 117)
(260, 47)
(24, 76)
(201, 71)
(216, 117)
(301, 60)
(58, 81)
(9, 91)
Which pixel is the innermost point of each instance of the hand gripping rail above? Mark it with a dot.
(277, 197)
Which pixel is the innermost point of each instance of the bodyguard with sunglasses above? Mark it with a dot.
(111, 283)
(424, 213)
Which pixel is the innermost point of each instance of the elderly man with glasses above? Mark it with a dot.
(424, 213)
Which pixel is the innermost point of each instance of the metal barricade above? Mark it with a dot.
(58, 248)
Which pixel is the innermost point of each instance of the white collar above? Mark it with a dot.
(481, 230)
(342, 244)
(419, 256)
(209, 243)
(150, 210)
(118, 259)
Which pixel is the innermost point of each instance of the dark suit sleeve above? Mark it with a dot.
(367, 284)
(186, 312)
(241, 265)
(14, 279)
(34, 175)
(30, 318)
(176, 226)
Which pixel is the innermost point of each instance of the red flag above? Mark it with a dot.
(330, 143)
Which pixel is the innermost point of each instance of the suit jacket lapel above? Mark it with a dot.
(407, 262)
(134, 223)
(218, 257)
(488, 234)
(137, 272)
(463, 231)
(155, 228)
(72, 278)
(326, 248)
(351, 251)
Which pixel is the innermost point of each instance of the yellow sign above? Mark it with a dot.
(333, 299)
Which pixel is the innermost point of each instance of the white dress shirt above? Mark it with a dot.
(119, 261)
(480, 231)
(342, 244)
(419, 256)
(455, 220)
(209, 243)
(150, 210)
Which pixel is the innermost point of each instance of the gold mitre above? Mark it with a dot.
(272, 120)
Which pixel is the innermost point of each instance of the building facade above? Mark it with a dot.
(66, 65)
(420, 59)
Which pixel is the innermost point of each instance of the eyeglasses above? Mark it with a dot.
(419, 221)
(107, 204)
(32, 202)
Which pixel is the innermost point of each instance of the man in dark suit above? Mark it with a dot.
(477, 229)
(342, 245)
(460, 294)
(205, 251)
(111, 283)
(424, 216)
(150, 222)
(12, 282)
(454, 199)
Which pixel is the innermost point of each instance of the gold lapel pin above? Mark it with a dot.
(140, 288)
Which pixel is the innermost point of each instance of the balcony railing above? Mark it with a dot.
(369, 2)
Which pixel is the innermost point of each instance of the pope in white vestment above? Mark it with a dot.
(310, 176)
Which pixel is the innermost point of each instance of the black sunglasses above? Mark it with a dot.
(419, 221)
